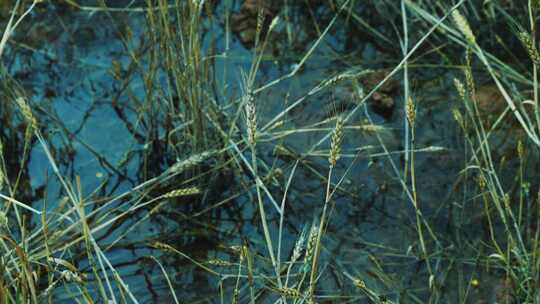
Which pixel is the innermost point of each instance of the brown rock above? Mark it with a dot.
(491, 104)
(382, 101)
(489, 101)
(391, 86)
(382, 104)
(244, 23)
(5, 9)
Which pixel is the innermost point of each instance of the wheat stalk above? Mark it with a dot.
(310, 248)
(26, 112)
(251, 120)
(3, 220)
(411, 111)
(182, 192)
(468, 73)
(298, 247)
(520, 149)
(337, 140)
(458, 118)
(290, 292)
(219, 262)
(460, 88)
(463, 26)
(528, 43)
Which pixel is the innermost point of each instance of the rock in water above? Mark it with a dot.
(382, 101)
(244, 23)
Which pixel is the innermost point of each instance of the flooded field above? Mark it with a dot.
(244, 151)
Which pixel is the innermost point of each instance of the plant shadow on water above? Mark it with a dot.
(264, 151)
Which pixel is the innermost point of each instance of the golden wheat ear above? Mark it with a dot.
(251, 120)
(532, 51)
(337, 140)
(464, 27)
